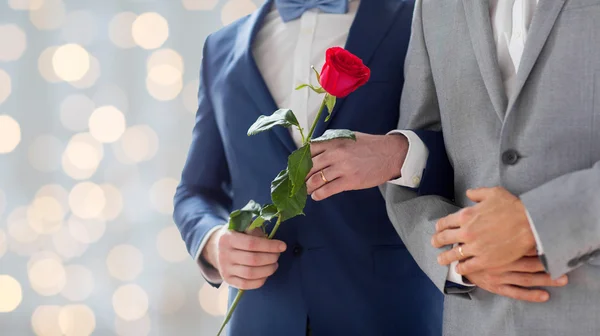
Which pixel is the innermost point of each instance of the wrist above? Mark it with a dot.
(209, 253)
(397, 149)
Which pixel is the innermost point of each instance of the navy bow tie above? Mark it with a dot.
(293, 9)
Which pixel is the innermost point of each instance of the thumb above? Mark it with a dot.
(479, 195)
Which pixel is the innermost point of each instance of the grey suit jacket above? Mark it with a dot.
(543, 145)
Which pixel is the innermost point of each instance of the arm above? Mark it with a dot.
(202, 202)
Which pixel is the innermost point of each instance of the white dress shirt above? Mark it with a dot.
(510, 23)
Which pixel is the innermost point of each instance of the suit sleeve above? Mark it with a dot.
(414, 216)
(202, 200)
(566, 216)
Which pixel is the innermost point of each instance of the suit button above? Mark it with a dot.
(585, 258)
(573, 263)
(297, 250)
(510, 157)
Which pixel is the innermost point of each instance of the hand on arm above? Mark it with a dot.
(347, 165)
(244, 261)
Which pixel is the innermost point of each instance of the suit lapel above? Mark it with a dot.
(539, 31)
(247, 72)
(482, 38)
(373, 20)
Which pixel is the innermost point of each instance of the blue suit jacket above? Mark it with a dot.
(346, 270)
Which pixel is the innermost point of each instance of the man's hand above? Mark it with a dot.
(493, 233)
(347, 165)
(244, 261)
(518, 280)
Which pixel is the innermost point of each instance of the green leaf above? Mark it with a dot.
(240, 220)
(267, 213)
(288, 206)
(332, 134)
(319, 90)
(283, 117)
(299, 164)
(330, 102)
(317, 73)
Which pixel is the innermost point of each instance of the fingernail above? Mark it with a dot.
(544, 297)
(439, 260)
(563, 280)
(433, 242)
(282, 247)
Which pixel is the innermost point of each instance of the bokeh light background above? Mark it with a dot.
(97, 103)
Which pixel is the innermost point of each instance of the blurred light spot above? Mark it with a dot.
(71, 62)
(47, 276)
(75, 112)
(80, 27)
(170, 245)
(3, 243)
(50, 15)
(107, 124)
(90, 78)
(45, 65)
(209, 299)
(200, 4)
(120, 30)
(235, 9)
(80, 283)
(164, 75)
(161, 194)
(13, 42)
(130, 302)
(125, 262)
(82, 156)
(87, 200)
(190, 96)
(169, 298)
(25, 4)
(11, 294)
(164, 92)
(57, 192)
(114, 202)
(45, 152)
(44, 321)
(86, 231)
(43, 255)
(76, 320)
(111, 95)
(18, 228)
(26, 249)
(2, 202)
(165, 57)
(10, 133)
(66, 245)
(150, 30)
(222, 300)
(5, 87)
(139, 327)
(45, 215)
(138, 143)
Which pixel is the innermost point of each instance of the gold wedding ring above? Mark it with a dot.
(460, 251)
(323, 177)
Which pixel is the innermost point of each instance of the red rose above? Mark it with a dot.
(343, 72)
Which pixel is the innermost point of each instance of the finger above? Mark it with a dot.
(329, 189)
(533, 280)
(316, 181)
(244, 284)
(317, 148)
(246, 258)
(472, 265)
(252, 273)
(526, 265)
(532, 253)
(522, 294)
(450, 256)
(447, 237)
(257, 233)
(320, 162)
(449, 222)
(479, 195)
(244, 242)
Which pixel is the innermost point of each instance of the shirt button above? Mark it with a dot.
(416, 180)
(510, 157)
(518, 34)
(297, 250)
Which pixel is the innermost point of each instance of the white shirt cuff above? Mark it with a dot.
(458, 279)
(538, 242)
(415, 162)
(208, 272)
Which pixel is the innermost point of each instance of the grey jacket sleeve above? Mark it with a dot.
(415, 217)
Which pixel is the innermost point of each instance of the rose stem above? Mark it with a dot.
(314, 125)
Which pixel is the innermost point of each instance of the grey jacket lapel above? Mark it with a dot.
(482, 38)
(540, 28)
